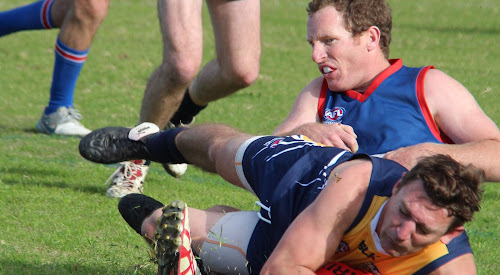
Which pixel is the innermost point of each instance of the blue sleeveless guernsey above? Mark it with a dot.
(392, 113)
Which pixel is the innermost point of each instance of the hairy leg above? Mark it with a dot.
(213, 148)
(181, 27)
(59, 10)
(237, 35)
(80, 22)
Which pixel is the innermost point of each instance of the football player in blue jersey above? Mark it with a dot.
(78, 21)
(365, 102)
(318, 204)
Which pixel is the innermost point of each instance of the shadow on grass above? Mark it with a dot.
(18, 267)
(47, 180)
(10, 133)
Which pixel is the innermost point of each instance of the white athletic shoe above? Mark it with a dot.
(127, 179)
(65, 121)
(175, 170)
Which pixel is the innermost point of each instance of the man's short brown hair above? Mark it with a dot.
(359, 15)
(449, 185)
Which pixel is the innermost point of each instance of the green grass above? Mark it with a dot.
(54, 215)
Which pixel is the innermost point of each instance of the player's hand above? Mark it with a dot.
(410, 155)
(337, 135)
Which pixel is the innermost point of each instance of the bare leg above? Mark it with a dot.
(200, 221)
(81, 21)
(213, 148)
(59, 10)
(237, 35)
(180, 22)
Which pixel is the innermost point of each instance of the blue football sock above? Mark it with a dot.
(33, 16)
(162, 146)
(67, 67)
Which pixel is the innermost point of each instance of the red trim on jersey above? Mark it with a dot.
(425, 108)
(71, 57)
(322, 99)
(45, 20)
(396, 64)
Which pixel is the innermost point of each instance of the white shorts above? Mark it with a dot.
(224, 249)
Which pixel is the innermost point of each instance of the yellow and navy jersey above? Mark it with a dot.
(360, 248)
(288, 173)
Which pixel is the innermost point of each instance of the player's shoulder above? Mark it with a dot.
(314, 87)
(435, 77)
(361, 168)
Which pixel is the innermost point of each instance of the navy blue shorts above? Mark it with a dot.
(286, 174)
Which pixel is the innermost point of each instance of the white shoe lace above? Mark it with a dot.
(75, 113)
(128, 177)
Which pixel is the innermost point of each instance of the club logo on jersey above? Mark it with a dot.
(273, 142)
(343, 247)
(333, 115)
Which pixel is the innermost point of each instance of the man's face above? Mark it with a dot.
(410, 222)
(341, 58)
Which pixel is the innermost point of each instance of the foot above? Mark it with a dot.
(173, 241)
(117, 144)
(175, 170)
(127, 179)
(65, 121)
(135, 208)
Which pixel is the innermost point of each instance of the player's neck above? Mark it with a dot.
(376, 69)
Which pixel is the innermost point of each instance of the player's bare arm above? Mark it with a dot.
(320, 227)
(458, 116)
(303, 109)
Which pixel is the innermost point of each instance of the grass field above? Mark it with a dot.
(54, 215)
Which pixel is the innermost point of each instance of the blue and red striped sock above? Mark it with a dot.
(34, 16)
(67, 67)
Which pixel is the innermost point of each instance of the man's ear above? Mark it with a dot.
(446, 238)
(374, 38)
(396, 186)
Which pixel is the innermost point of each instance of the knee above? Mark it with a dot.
(90, 12)
(59, 10)
(243, 74)
(180, 69)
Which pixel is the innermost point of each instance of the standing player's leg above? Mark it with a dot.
(236, 27)
(182, 34)
(181, 27)
(78, 29)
